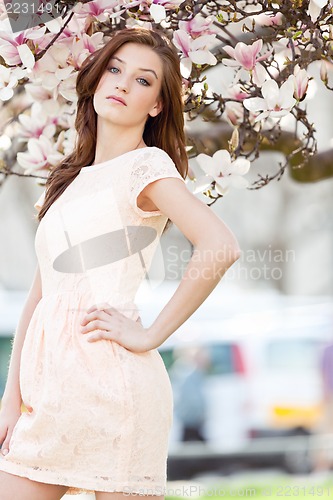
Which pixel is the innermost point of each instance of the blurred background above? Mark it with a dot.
(251, 369)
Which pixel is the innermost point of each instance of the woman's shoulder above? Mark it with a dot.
(154, 162)
(156, 152)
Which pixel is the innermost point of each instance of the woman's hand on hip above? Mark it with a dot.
(105, 322)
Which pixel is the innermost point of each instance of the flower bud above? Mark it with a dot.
(234, 141)
(323, 71)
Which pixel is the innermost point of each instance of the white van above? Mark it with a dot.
(264, 378)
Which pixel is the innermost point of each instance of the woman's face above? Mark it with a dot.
(134, 74)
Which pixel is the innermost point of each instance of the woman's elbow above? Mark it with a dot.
(229, 248)
(233, 254)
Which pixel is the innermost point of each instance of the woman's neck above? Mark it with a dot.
(121, 143)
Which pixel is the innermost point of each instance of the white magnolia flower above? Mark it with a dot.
(221, 169)
(8, 81)
(194, 50)
(276, 102)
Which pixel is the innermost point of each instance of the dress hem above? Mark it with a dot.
(77, 487)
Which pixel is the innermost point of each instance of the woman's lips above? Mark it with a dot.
(116, 99)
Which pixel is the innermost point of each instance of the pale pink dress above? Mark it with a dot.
(100, 415)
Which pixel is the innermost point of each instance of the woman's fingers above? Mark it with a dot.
(5, 444)
(102, 312)
(102, 306)
(95, 324)
(98, 314)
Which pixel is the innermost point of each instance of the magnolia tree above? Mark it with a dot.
(268, 46)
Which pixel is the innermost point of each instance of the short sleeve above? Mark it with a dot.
(40, 201)
(149, 167)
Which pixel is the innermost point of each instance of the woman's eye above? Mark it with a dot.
(112, 67)
(144, 81)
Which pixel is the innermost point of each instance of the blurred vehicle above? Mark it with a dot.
(263, 380)
(285, 383)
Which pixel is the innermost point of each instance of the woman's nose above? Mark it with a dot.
(122, 86)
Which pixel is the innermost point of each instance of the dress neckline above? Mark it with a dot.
(91, 168)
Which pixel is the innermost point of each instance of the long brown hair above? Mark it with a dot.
(166, 130)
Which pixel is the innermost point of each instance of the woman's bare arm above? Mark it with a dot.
(12, 393)
(215, 250)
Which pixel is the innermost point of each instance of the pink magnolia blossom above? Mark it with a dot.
(237, 92)
(276, 102)
(221, 169)
(100, 10)
(37, 123)
(234, 112)
(301, 82)
(245, 56)
(194, 51)
(53, 68)
(40, 155)
(56, 68)
(51, 106)
(269, 20)
(14, 49)
(82, 47)
(37, 92)
(198, 26)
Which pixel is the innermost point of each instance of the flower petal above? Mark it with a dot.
(185, 66)
(26, 56)
(222, 187)
(202, 41)
(202, 57)
(240, 166)
(230, 62)
(6, 93)
(270, 91)
(202, 183)
(244, 55)
(230, 51)
(237, 181)
(262, 116)
(255, 104)
(206, 163)
(222, 161)
(181, 39)
(157, 12)
(287, 93)
(260, 75)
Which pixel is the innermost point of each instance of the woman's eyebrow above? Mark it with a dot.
(141, 69)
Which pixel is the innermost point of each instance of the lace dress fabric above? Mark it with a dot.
(98, 414)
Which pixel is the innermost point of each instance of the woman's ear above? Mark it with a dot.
(156, 109)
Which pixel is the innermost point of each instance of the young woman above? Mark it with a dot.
(98, 396)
